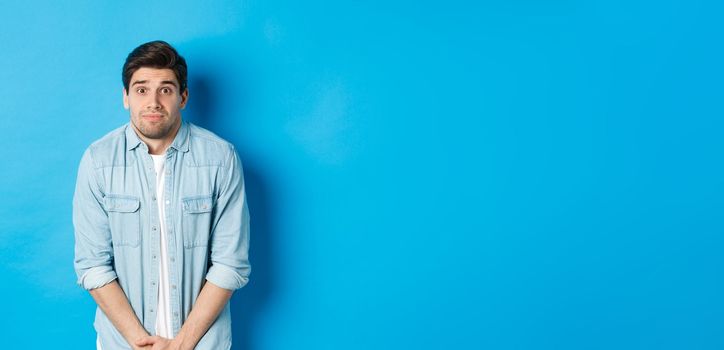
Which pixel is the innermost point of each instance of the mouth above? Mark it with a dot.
(152, 117)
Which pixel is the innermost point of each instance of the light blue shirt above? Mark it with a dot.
(117, 232)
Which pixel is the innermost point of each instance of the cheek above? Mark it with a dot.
(136, 111)
(172, 104)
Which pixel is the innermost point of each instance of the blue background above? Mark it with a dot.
(421, 175)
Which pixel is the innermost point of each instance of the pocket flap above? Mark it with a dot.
(198, 204)
(122, 204)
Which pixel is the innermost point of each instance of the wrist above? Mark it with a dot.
(178, 343)
(136, 336)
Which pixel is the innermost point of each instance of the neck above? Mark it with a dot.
(159, 146)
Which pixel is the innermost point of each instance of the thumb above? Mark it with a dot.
(147, 340)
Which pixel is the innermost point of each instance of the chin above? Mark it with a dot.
(155, 133)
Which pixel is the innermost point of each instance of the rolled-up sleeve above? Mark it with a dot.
(93, 247)
(230, 266)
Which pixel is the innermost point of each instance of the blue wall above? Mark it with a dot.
(421, 175)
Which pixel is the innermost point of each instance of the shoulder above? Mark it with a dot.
(114, 137)
(103, 151)
(203, 136)
(208, 148)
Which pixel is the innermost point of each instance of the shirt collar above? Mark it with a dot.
(180, 142)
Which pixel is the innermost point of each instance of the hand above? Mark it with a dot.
(155, 343)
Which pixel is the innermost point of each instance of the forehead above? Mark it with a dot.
(153, 75)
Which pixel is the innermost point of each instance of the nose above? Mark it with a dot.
(154, 102)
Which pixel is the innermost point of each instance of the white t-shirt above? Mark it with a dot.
(163, 319)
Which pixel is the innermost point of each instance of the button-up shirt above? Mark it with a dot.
(117, 234)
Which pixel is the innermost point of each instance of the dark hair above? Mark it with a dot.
(155, 54)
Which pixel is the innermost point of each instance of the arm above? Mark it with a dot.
(229, 240)
(207, 307)
(111, 299)
(94, 252)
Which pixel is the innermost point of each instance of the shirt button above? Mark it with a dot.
(151, 310)
(172, 259)
(154, 257)
(153, 228)
(153, 198)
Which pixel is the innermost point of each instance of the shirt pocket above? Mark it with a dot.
(124, 219)
(196, 223)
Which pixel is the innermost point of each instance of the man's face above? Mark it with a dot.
(155, 102)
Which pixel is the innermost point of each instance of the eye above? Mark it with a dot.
(165, 90)
(141, 91)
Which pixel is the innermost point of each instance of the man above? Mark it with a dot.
(161, 220)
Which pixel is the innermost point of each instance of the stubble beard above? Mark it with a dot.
(154, 131)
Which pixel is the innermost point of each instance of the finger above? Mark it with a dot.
(147, 340)
(162, 343)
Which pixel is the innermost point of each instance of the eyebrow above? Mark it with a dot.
(164, 82)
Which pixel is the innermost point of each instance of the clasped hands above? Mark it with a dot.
(156, 343)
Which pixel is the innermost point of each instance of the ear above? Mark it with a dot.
(125, 99)
(184, 98)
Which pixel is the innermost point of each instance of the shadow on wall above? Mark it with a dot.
(249, 302)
